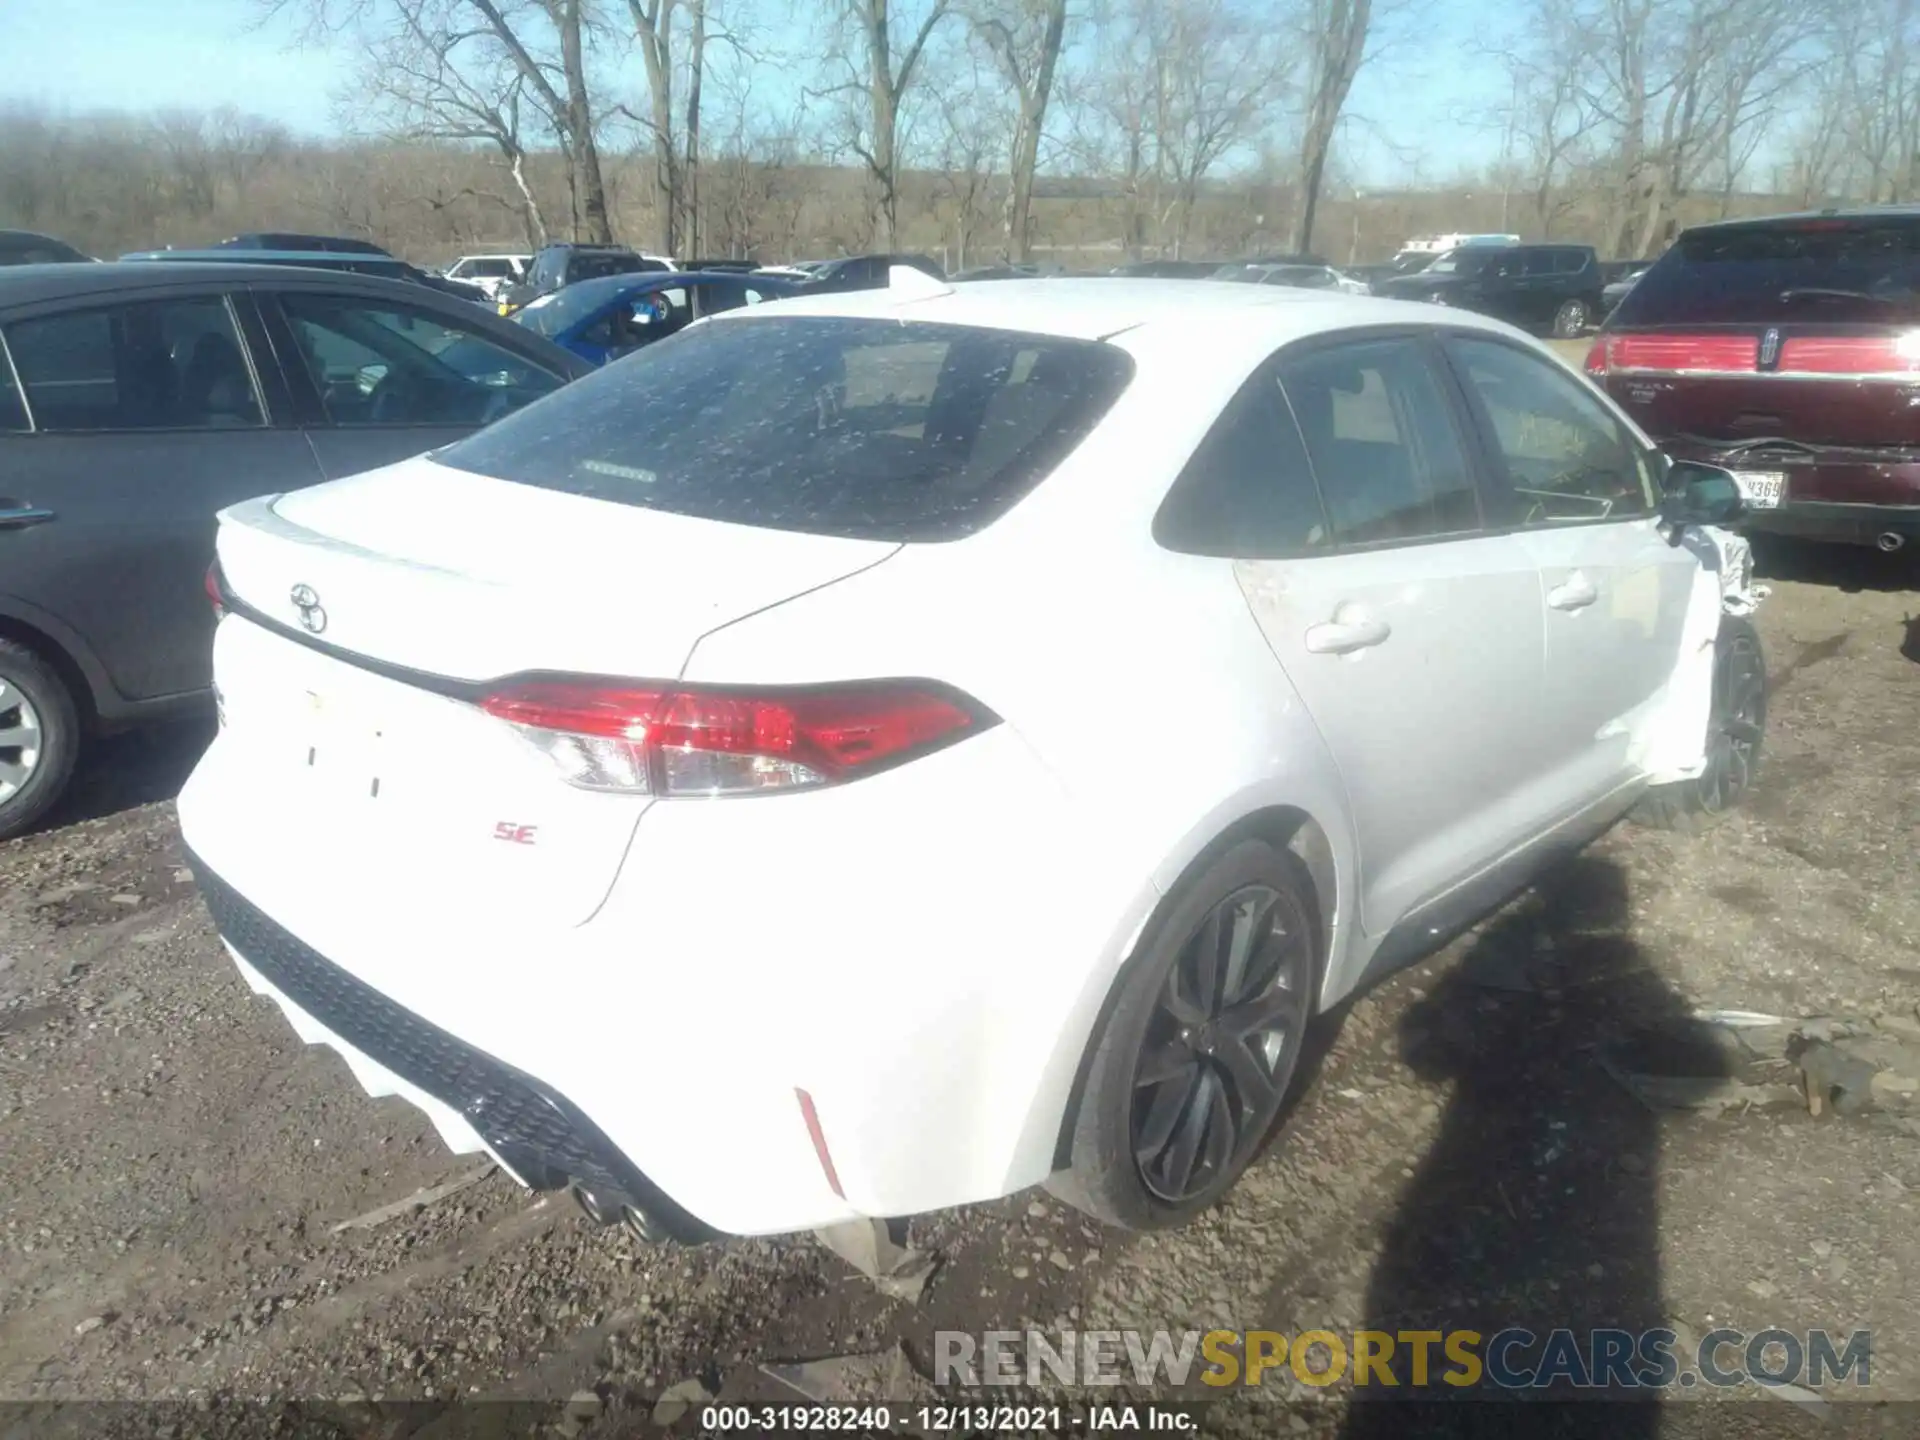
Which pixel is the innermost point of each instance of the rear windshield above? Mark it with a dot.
(833, 426)
(1837, 271)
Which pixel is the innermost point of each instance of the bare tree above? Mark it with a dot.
(972, 130)
(1217, 71)
(1335, 46)
(429, 80)
(544, 42)
(881, 73)
(1025, 39)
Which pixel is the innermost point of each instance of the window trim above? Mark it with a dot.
(244, 337)
(19, 389)
(1499, 476)
(307, 403)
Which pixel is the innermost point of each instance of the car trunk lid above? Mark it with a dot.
(370, 618)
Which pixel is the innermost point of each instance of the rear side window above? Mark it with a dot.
(158, 365)
(1384, 443)
(1248, 491)
(832, 426)
(1814, 271)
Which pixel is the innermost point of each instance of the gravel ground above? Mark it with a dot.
(176, 1162)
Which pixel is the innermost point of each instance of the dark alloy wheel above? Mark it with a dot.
(1202, 1036)
(1736, 730)
(1220, 1045)
(1739, 722)
(1571, 320)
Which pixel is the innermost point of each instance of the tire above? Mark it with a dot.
(1571, 319)
(1132, 1131)
(1736, 729)
(38, 717)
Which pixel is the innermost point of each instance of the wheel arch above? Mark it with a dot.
(64, 653)
(1292, 828)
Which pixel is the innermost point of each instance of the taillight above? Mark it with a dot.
(1852, 355)
(1599, 357)
(216, 591)
(656, 739)
(1711, 354)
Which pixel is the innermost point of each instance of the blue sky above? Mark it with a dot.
(1422, 112)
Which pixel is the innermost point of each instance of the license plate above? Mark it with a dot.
(1762, 489)
(342, 742)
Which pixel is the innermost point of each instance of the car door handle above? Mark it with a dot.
(1576, 592)
(18, 517)
(1341, 637)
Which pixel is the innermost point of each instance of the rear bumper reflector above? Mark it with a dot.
(819, 1139)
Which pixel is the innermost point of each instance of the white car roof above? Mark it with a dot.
(1096, 308)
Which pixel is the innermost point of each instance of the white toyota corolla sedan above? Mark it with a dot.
(881, 751)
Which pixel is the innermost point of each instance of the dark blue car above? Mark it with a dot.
(603, 319)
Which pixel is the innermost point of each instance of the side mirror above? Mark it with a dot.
(1697, 494)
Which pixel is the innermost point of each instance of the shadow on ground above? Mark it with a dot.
(1847, 568)
(1538, 1199)
(124, 771)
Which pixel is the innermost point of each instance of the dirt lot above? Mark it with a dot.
(176, 1163)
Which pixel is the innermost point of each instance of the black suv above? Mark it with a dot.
(23, 247)
(309, 244)
(1552, 288)
(557, 266)
(868, 272)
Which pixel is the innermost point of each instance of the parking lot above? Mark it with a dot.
(180, 1168)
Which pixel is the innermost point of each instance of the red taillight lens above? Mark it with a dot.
(1736, 354)
(216, 590)
(665, 740)
(1598, 356)
(1852, 355)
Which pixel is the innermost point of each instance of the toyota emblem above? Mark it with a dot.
(313, 619)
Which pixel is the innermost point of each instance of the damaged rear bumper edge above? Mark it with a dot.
(474, 1100)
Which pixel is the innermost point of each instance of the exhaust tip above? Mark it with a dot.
(1889, 541)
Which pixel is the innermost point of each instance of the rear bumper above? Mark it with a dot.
(923, 954)
(473, 1099)
(1842, 500)
(1839, 524)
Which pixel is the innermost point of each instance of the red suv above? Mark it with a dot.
(1788, 351)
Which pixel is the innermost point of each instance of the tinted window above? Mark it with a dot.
(1462, 262)
(866, 428)
(1566, 457)
(487, 269)
(378, 364)
(1762, 274)
(592, 267)
(162, 365)
(1248, 491)
(1381, 434)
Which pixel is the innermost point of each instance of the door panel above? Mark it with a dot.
(1419, 665)
(123, 560)
(1418, 651)
(1580, 494)
(150, 416)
